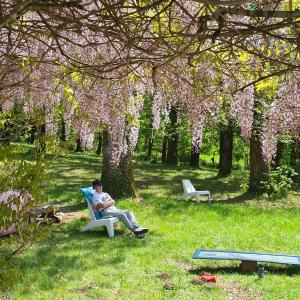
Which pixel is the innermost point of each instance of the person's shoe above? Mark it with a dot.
(140, 230)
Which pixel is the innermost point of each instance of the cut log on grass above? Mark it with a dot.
(248, 266)
(47, 214)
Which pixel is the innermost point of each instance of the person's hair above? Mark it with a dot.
(97, 182)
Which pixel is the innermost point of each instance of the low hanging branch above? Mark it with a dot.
(256, 13)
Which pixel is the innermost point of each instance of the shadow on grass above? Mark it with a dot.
(171, 181)
(238, 199)
(170, 206)
(73, 208)
(69, 172)
(70, 251)
(287, 270)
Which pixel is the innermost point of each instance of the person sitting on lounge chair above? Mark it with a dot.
(105, 206)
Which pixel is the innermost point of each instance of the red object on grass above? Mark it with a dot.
(208, 278)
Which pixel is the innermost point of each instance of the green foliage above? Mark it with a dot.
(240, 152)
(13, 125)
(244, 187)
(23, 177)
(9, 275)
(280, 182)
(27, 180)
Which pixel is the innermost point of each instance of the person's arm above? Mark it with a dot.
(105, 204)
(97, 203)
(110, 201)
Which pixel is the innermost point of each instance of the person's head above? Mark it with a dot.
(97, 185)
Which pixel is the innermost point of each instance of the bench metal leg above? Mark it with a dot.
(261, 271)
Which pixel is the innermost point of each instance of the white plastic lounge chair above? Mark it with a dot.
(190, 191)
(97, 220)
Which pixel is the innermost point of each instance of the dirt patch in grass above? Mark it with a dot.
(87, 291)
(74, 212)
(166, 280)
(183, 264)
(71, 216)
(235, 292)
(233, 289)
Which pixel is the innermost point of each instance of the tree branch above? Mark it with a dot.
(261, 13)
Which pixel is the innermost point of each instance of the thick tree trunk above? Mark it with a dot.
(78, 146)
(172, 153)
(164, 149)
(99, 147)
(118, 180)
(173, 139)
(226, 145)
(195, 158)
(258, 167)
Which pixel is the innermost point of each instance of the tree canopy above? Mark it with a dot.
(95, 60)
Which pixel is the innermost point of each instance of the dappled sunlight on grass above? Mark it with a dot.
(123, 264)
(75, 265)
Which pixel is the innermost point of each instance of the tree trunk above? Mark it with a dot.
(5, 135)
(258, 167)
(164, 149)
(63, 130)
(246, 161)
(173, 140)
(78, 146)
(195, 157)
(293, 157)
(279, 151)
(226, 145)
(150, 145)
(118, 180)
(41, 144)
(99, 148)
(32, 134)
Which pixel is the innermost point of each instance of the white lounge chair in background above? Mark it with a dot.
(190, 191)
(97, 220)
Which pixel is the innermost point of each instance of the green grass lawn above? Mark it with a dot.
(75, 265)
